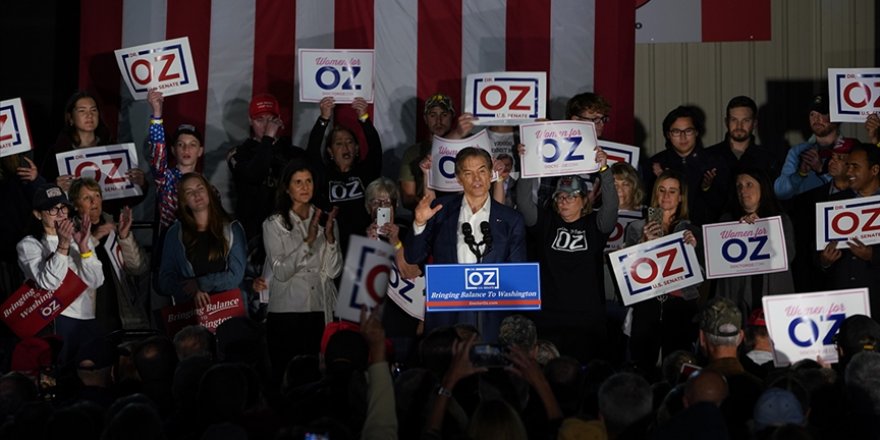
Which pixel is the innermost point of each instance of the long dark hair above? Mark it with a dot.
(102, 133)
(283, 202)
(768, 206)
(218, 218)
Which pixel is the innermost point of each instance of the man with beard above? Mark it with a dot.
(738, 150)
(806, 164)
(438, 116)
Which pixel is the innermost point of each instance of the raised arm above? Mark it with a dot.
(607, 216)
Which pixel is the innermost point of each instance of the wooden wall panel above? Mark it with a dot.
(809, 36)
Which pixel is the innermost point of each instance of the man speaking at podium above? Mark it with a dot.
(467, 228)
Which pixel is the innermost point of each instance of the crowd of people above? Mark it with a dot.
(694, 363)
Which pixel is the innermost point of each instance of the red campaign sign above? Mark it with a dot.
(222, 306)
(31, 308)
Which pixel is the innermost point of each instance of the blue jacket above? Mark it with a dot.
(175, 270)
(440, 236)
(790, 183)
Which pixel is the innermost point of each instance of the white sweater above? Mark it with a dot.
(302, 279)
(39, 262)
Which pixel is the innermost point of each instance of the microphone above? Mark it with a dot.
(487, 236)
(470, 240)
(468, 234)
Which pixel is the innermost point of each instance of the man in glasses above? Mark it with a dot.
(683, 128)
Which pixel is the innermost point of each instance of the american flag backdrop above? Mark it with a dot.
(245, 47)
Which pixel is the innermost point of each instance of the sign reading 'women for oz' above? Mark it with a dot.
(558, 148)
(343, 74)
(655, 267)
(803, 325)
(735, 249)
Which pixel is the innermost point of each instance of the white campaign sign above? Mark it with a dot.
(655, 268)
(15, 137)
(854, 93)
(166, 65)
(558, 148)
(843, 220)
(624, 218)
(803, 325)
(107, 165)
(364, 276)
(344, 74)
(441, 176)
(506, 98)
(620, 153)
(409, 295)
(111, 245)
(735, 249)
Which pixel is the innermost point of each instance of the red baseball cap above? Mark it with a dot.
(756, 318)
(262, 104)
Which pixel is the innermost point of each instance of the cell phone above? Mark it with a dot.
(489, 356)
(316, 436)
(687, 370)
(383, 216)
(655, 215)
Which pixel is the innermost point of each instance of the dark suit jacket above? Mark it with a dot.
(440, 237)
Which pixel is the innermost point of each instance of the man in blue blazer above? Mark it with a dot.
(438, 233)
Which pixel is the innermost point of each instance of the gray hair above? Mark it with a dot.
(624, 399)
(379, 186)
(716, 340)
(194, 340)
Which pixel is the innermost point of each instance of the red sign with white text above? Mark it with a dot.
(31, 308)
(223, 305)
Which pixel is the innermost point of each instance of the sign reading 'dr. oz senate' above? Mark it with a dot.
(655, 268)
(473, 287)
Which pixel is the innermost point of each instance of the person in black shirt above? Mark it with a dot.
(571, 251)
(344, 178)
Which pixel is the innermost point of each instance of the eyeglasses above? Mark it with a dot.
(565, 197)
(381, 203)
(596, 120)
(58, 210)
(687, 132)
